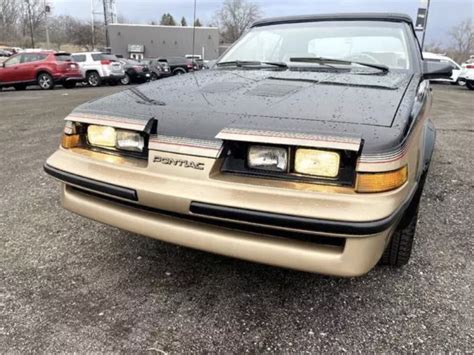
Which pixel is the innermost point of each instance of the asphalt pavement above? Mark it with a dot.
(68, 284)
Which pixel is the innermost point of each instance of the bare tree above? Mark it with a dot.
(235, 17)
(9, 13)
(463, 38)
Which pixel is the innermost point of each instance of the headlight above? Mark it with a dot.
(131, 141)
(111, 138)
(101, 136)
(268, 158)
(317, 162)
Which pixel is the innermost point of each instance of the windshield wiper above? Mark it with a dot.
(250, 63)
(324, 61)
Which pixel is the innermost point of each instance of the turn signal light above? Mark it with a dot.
(70, 141)
(380, 182)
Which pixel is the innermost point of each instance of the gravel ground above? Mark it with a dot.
(69, 284)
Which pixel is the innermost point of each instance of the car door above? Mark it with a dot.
(9, 69)
(29, 63)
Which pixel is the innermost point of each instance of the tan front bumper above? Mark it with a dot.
(175, 189)
(357, 257)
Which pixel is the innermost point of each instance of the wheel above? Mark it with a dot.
(125, 80)
(470, 85)
(45, 81)
(69, 84)
(179, 72)
(154, 76)
(20, 87)
(398, 251)
(93, 79)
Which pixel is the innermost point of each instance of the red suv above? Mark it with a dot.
(43, 68)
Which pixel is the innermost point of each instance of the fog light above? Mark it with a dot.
(317, 162)
(131, 141)
(380, 182)
(101, 136)
(268, 158)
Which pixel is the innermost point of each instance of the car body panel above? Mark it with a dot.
(218, 100)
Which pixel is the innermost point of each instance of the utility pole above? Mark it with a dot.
(106, 23)
(30, 20)
(93, 24)
(47, 10)
(422, 19)
(426, 24)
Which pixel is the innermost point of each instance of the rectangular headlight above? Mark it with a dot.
(102, 136)
(268, 158)
(131, 141)
(317, 162)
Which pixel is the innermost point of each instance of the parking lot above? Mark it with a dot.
(71, 284)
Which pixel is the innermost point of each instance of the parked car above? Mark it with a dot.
(432, 57)
(158, 69)
(43, 68)
(306, 147)
(5, 53)
(467, 74)
(135, 72)
(197, 60)
(98, 68)
(178, 65)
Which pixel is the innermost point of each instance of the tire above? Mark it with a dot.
(154, 76)
(45, 81)
(179, 72)
(93, 79)
(19, 87)
(470, 85)
(69, 85)
(125, 80)
(398, 251)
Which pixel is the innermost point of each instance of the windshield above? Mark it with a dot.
(374, 42)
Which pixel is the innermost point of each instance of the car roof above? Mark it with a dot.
(368, 16)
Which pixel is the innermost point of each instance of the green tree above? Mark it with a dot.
(197, 23)
(183, 22)
(167, 20)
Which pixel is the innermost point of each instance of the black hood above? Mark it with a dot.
(200, 105)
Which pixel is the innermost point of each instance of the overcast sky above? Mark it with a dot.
(443, 13)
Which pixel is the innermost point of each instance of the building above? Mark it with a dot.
(150, 41)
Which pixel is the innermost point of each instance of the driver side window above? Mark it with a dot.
(13, 61)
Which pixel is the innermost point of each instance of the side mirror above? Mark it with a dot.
(436, 70)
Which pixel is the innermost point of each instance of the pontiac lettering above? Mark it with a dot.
(179, 162)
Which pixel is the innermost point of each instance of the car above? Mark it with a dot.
(307, 146)
(5, 53)
(432, 57)
(135, 72)
(178, 65)
(98, 68)
(42, 68)
(158, 69)
(467, 74)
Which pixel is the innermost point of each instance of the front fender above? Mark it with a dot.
(429, 139)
